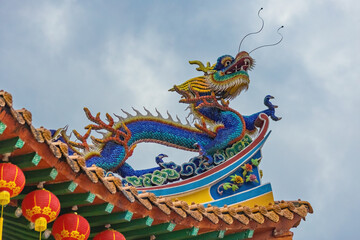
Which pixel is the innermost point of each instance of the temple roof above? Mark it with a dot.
(86, 190)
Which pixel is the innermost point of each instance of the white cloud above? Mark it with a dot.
(140, 65)
(284, 12)
(50, 22)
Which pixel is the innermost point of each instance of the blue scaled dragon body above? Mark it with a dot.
(217, 127)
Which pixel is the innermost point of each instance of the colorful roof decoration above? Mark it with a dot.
(176, 209)
(217, 194)
(226, 169)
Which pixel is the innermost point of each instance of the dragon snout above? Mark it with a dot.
(247, 65)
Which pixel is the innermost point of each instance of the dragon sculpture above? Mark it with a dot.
(218, 126)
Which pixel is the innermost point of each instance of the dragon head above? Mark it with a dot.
(230, 76)
(227, 78)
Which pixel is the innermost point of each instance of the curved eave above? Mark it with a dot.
(57, 170)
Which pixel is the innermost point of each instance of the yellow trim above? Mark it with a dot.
(262, 200)
(77, 222)
(17, 170)
(88, 229)
(200, 196)
(203, 196)
(49, 199)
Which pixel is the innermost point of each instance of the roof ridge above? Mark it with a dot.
(186, 215)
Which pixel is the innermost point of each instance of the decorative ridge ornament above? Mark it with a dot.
(218, 126)
(224, 139)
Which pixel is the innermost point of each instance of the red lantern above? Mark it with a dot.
(109, 235)
(12, 182)
(71, 226)
(40, 207)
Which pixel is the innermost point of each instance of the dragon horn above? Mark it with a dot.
(201, 66)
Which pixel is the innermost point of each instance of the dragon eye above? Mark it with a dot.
(225, 61)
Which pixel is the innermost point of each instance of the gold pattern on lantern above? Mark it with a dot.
(52, 215)
(66, 234)
(11, 185)
(37, 210)
(75, 234)
(46, 211)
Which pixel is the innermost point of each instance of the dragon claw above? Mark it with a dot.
(275, 118)
(271, 108)
(208, 158)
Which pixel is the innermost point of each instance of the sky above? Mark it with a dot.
(57, 57)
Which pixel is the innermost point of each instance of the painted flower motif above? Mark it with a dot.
(251, 178)
(248, 167)
(237, 179)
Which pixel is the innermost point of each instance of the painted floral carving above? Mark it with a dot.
(251, 178)
(246, 168)
(244, 176)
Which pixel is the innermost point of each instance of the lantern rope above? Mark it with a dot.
(1, 221)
